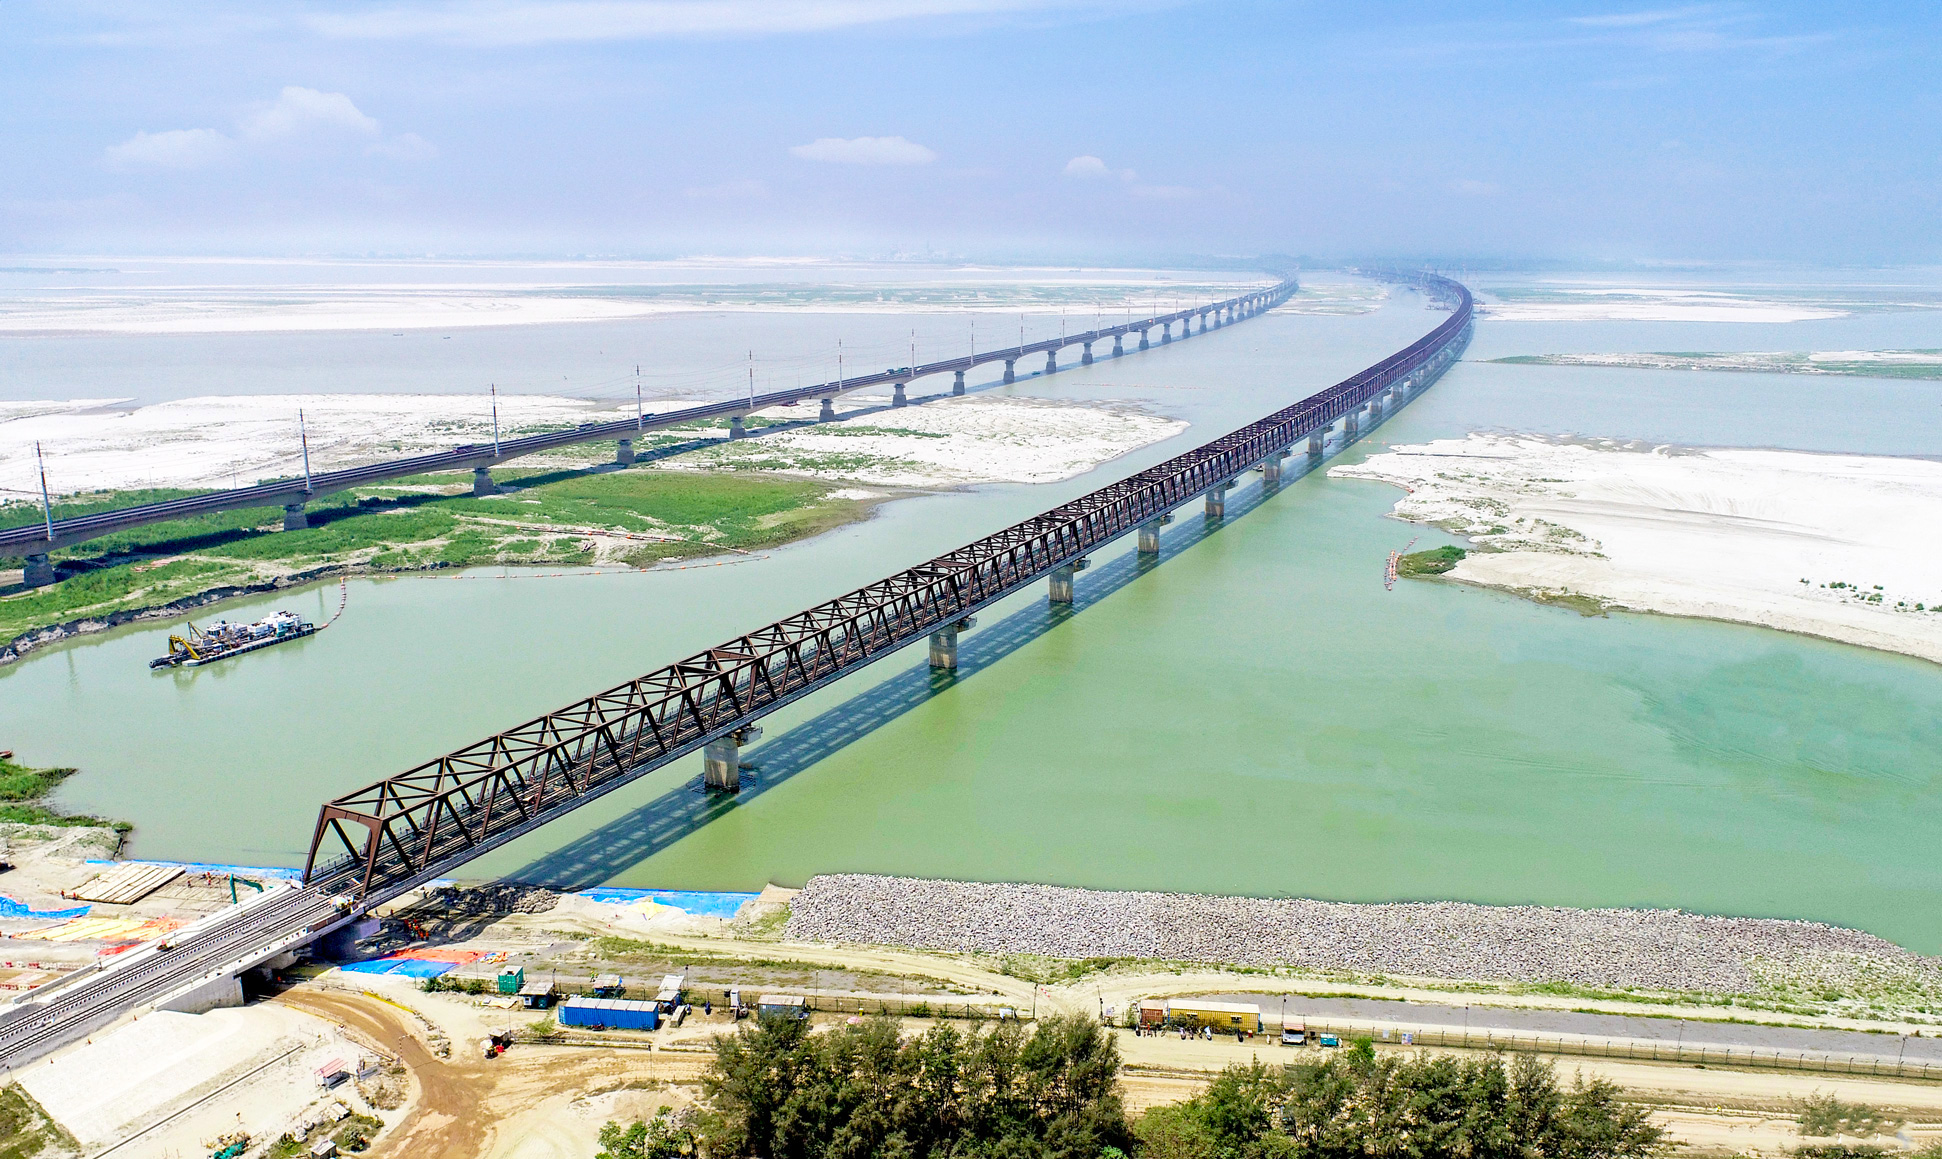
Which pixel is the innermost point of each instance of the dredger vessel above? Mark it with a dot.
(222, 639)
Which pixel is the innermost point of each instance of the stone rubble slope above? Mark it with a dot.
(1646, 949)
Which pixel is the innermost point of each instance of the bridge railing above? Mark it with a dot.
(425, 820)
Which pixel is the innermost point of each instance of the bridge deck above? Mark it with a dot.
(421, 823)
(425, 822)
(35, 537)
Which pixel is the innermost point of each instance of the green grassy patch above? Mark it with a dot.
(25, 1129)
(542, 518)
(1435, 561)
(23, 793)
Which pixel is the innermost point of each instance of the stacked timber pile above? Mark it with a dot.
(1646, 949)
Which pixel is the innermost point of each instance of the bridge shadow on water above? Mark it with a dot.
(613, 848)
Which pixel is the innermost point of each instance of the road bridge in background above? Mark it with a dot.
(33, 541)
(422, 824)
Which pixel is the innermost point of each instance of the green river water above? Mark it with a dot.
(1256, 714)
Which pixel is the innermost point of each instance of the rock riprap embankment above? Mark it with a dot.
(1646, 949)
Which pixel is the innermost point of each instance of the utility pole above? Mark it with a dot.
(46, 505)
(839, 365)
(495, 419)
(303, 436)
(640, 415)
(751, 379)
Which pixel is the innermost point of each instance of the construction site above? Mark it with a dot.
(513, 1021)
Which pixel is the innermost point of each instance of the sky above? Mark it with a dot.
(996, 130)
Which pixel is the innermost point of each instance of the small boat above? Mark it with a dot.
(221, 640)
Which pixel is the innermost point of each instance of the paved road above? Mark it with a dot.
(1668, 1031)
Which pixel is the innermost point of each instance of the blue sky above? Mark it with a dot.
(996, 129)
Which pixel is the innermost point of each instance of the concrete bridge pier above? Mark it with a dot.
(294, 518)
(1349, 430)
(624, 452)
(828, 413)
(1150, 534)
(1051, 362)
(721, 759)
(1318, 442)
(957, 384)
(1010, 375)
(1061, 591)
(482, 484)
(1217, 500)
(735, 428)
(1119, 347)
(39, 571)
(944, 643)
(1085, 359)
(1271, 469)
(1166, 333)
(897, 396)
(1143, 341)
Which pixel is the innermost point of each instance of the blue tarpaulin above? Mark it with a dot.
(403, 967)
(696, 903)
(9, 908)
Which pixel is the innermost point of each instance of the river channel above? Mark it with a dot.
(1255, 714)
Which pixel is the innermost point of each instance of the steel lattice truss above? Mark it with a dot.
(421, 823)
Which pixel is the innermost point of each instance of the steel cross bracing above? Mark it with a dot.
(419, 824)
(35, 537)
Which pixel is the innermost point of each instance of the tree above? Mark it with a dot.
(1360, 1104)
(861, 1091)
(660, 1138)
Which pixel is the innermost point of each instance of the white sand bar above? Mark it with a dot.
(239, 439)
(1756, 537)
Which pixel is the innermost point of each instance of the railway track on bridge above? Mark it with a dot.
(419, 825)
(35, 540)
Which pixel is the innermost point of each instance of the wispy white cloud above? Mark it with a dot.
(506, 22)
(865, 151)
(298, 117)
(299, 111)
(1086, 167)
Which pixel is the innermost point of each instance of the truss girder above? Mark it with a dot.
(431, 818)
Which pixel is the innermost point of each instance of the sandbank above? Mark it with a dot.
(1825, 545)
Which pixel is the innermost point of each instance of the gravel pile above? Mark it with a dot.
(1649, 949)
(505, 897)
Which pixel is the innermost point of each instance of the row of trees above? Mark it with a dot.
(776, 1091)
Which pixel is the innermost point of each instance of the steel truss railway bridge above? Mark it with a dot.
(34, 541)
(379, 842)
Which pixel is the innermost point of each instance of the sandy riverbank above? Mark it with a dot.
(1825, 545)
(225, 441)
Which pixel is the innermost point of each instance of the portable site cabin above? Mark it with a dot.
(608, 986)
(612, 1013)
(782, 1006)
(670, 993)
(511, 980)
(1219, 1015)
(1153, 1012)
(538, 995)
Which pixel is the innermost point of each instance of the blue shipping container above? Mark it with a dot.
(613, 1013)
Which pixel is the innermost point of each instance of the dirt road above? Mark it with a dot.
(463, 1106)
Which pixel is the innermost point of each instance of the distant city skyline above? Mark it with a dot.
(988, 129)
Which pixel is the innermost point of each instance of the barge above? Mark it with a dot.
(221, 640)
